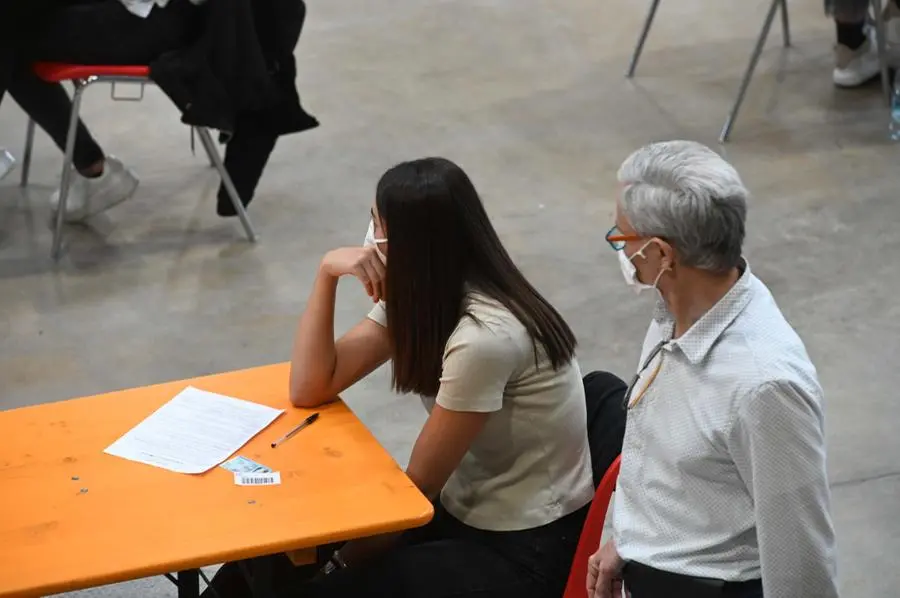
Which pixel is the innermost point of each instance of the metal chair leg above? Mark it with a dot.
(216, 159)
(193, 133)
(748, 73)
(785, 25)
(648, 22)
(26, 159)
(66, 178)
(212, 164)
(881, 44)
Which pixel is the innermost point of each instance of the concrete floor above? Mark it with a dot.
(528, 95)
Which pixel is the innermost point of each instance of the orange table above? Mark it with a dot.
(73, 517)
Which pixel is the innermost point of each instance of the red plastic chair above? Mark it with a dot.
(81, 77)
(591, 533)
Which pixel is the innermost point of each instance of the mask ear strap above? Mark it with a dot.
(658, 276)
(661, 272)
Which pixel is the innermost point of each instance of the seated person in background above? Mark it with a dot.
(504, 452)
(856, 50)
(84, 32)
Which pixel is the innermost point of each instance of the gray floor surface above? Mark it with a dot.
(529, 96)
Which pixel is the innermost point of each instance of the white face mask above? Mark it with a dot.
(630, 272)
(371, 241)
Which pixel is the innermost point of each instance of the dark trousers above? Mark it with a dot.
(646, 582)
(444, 559)
(81, 32)
(604, 393)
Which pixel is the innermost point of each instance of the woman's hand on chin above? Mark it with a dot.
(361, 262)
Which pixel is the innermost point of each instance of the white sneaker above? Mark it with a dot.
(90, 196)
(7, 162)
(852, 68)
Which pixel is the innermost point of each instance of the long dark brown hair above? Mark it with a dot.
(441, 243)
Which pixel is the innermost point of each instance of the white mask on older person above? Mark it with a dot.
(371, 241)
(630, 272)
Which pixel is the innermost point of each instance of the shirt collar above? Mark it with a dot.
(699, 339)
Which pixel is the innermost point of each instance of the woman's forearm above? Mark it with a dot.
(313, 358)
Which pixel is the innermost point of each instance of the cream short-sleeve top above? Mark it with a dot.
(531, 464)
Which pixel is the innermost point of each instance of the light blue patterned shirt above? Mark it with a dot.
(723, 465)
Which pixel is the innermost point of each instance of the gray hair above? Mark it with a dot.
(687, 194)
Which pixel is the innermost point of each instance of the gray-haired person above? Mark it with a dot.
(723, 489)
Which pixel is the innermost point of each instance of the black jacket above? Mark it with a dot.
(19, 23)
(238, 77)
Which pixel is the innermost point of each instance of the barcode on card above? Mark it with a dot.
(257, 479)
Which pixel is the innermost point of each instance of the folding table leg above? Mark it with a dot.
(643, 37)
(785, 24)
(881, 44)
(29, 146)
(751, 67)
(216, 159)
(66, 181)
(189, 584)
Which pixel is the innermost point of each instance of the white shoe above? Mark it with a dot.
(7, 162)
(852, 68)
(90, 196)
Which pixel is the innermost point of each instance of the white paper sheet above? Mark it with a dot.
(193, 432)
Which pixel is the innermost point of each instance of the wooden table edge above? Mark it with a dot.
(214, 559)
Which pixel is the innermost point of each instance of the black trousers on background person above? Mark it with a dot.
(447, 558)
(81, 32)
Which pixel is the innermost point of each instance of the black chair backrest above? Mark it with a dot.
(605, 419)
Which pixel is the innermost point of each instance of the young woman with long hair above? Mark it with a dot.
(504, 452)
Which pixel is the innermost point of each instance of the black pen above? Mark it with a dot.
(299, 427)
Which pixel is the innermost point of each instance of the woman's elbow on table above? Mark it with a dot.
(308, 401)
(304, 395)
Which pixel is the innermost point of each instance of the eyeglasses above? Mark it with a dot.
(617, 240)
